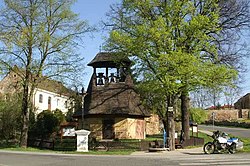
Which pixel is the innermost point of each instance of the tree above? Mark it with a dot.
(198, 115)
(234, 21)
(41, 37)
(47, 123)
(59, 115)
(10, 111)
(174, 42)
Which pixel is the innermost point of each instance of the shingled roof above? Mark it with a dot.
(116, 99)
(103, 59)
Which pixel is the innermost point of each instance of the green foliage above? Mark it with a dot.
(41, 37)
(51, 32)
(69, 115)
(172, 43)
(47, 122)
(198, 115)
(10, 119)
(59, 115)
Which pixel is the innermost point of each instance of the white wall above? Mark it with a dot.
(57, 101)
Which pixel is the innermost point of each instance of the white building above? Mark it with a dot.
(46, 100)
(48, 94)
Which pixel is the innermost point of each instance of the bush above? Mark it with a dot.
(198, 115)
(229, 123)
(47, 123)
(10, 120)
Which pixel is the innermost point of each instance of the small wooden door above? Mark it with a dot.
(108, 129)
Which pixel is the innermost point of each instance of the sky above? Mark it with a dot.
(94, 11)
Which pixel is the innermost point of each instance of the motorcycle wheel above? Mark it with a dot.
(232, 148)
(209, 148)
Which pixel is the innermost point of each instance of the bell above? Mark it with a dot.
(100, 81)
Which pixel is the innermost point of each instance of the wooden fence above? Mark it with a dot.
(70, 144)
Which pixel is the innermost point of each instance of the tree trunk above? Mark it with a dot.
(185, 115)
(25, 129)
(165, 125)
(25, 118)
(170, 124)
(171, 131)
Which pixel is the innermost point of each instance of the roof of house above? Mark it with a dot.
(16, 74)
(104, 59)
(54, 86)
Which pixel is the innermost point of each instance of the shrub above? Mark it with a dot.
(10, 119)
(198, 115)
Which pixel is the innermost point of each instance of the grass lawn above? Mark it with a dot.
(205, 136)
(28, 149)
(246, 147)
(110, 152)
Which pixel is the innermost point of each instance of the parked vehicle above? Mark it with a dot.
(222, 143)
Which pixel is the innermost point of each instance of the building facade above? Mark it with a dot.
(47, 100)
(48, 94)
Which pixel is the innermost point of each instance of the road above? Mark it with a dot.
(24, 159)
(238, 132)
(186, 157)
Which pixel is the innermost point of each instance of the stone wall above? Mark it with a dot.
(228, 115)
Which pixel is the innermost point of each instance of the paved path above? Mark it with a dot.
(196, 157)
(237, 132)
(188, 157)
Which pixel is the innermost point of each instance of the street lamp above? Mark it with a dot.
(83, 96)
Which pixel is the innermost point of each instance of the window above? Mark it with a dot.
(40, 98)
(49, 100)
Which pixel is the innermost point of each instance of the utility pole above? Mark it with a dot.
(83, 94)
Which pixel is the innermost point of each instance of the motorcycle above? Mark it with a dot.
(221, 142)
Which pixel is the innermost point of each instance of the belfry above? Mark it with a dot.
(112, 108)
